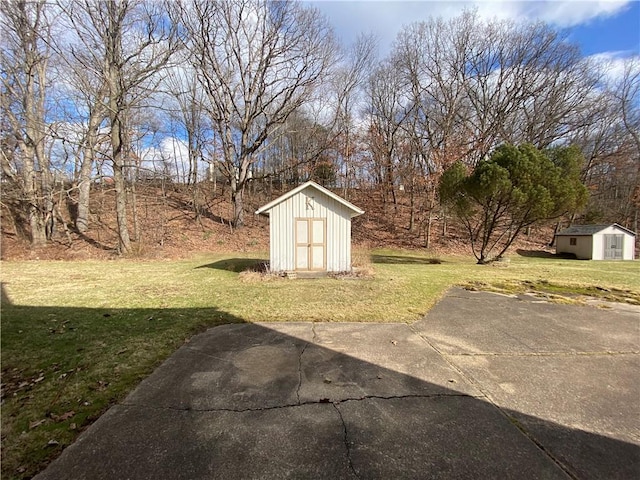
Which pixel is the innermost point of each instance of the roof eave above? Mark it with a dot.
(565, 233)
(264, 210)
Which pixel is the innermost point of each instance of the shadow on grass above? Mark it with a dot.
(545, 254)
(238, 265)
(404, 260)
(62, 367)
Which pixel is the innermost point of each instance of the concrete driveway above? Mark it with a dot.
(485, 386)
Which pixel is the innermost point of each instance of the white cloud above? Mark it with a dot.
(569, 13)
(170, 158)
(615, 64)
(386, 17)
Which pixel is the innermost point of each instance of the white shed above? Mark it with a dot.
(597, 242)
(310, 230)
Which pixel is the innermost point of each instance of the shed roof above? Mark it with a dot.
(587, 230)
(355, 211)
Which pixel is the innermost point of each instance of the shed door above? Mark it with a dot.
(613, 244)
(310, 244)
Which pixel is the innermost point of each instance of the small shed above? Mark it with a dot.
(597, 242)
(310, 230)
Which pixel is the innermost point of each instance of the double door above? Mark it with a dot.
(613, 246)
(311, 244)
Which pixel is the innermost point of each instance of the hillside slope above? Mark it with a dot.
(171, 223)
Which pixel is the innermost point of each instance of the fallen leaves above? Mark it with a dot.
(55, 418)
(63, 417)
(37, 423)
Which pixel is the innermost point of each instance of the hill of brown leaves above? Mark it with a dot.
(169, 223)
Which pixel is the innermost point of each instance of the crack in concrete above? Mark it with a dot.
(304, 348)
(300, 371)
(322, 401)
(347, 445)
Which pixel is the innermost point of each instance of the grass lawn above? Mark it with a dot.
(78, 336)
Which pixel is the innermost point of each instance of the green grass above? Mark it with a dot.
(78, 336)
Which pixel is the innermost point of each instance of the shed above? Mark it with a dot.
(310, 230)
(597, 242)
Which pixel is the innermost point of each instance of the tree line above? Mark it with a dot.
(253, 91)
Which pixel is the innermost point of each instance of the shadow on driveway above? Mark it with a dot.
(319, 400)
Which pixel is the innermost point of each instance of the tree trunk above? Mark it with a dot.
(116, 113)
(412, 213)
(32, 147)
(124, 240)
(84, 194)
(31, 200)
(36, 224)
(84, 177)
(237, 199)
(134, 208)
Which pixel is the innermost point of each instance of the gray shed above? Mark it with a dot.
(310, 230)
(597, 242)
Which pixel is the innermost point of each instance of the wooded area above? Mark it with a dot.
(258, 96)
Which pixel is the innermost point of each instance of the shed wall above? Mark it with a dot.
(591, 247)
(310, 203)
(582, 249)
(598, 246)
(628, 249)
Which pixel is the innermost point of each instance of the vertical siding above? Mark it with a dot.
(310, 203)
(598, 246)
(628, 248)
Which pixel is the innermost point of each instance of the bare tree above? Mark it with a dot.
(475, 84)
(627, 93)
(130, 42)
(24, 59)
(389, 109)
(80, 63)
(479, 83)
(258, 62)
(187, 108)
(610, 140)
(347, 83)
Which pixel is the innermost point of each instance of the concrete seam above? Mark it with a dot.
(486, 394)
(346, 440)
(532, 439)
(542, 354)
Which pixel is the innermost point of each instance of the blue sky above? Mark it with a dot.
(617, 33)
(605, 27)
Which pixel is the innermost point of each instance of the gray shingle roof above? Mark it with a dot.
(579, 230)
